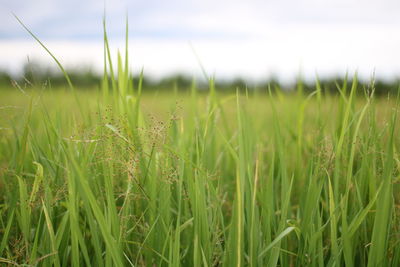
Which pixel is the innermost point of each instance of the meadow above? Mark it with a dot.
(121, 177)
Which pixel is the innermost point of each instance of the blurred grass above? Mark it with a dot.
(198, 179)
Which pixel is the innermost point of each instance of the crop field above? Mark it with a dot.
(121, 177)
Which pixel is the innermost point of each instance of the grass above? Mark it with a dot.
(118, 177)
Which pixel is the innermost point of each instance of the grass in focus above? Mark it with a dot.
(118, 177)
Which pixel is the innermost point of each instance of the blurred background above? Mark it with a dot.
(238, 42)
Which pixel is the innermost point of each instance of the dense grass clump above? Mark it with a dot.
(121, 178)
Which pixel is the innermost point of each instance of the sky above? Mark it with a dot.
(252, 39)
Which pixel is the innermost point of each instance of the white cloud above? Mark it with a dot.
(326, 50)
(250, 38)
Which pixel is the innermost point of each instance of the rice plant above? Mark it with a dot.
(121, 177)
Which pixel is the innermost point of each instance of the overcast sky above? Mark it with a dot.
(250, 38)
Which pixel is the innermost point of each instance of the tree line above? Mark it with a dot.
(34, 75)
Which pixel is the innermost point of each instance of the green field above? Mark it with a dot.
(119, 177)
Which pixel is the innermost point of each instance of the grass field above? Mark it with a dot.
(117, 177)
(98, 179)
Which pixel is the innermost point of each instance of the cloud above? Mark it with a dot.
(286, 50)
(251, 38)
(59, 19)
